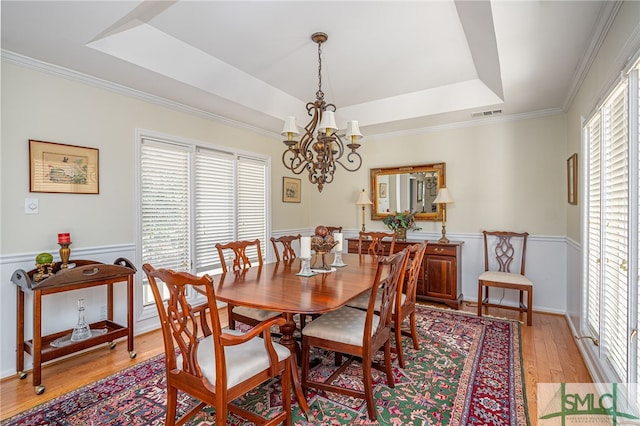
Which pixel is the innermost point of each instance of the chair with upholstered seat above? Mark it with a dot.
(504, 251)
(405, 305)
(287, 250)
(358, 333)
(242, 251)
(215, 368)
(376, 244)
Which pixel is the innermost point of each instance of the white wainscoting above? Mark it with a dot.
(60, 310)
(547, 266)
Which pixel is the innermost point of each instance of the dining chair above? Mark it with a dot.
(502, 252)
(241, 262)
(357, 333)
(405, 305)
(332, 229)
(376, 245)
(287, 251)
(219, 367)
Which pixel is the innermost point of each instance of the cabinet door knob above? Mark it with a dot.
(438, 249)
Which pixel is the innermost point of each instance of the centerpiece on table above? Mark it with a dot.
(400, 223)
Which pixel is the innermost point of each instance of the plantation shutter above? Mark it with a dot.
(594, 224)
(616, 230)
(214, 206)
(252, 203)
(164, 210)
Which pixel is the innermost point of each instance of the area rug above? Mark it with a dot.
(468, 371)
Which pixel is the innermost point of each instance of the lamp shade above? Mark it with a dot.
(363, 199)
(353, 130)
(290, 127)
(328, 123)
(444, 197)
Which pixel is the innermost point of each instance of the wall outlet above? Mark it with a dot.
(103, 312)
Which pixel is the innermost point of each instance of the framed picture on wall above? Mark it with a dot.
(56, 167)
(572, 179)
(291, 188)
(382, 192)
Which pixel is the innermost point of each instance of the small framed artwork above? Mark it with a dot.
(55, 167)
(291, 188)
(382, 192)
(572, 179)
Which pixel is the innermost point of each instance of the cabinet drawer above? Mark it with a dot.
(441, 250)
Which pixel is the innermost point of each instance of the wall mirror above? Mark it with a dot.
(395, 189)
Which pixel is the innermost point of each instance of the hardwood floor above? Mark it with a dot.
(549, 351)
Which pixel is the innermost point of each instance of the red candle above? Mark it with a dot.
(64, 238)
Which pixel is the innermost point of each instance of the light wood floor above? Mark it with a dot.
(549, 351)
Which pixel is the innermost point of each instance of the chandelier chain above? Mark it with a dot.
(320, 93)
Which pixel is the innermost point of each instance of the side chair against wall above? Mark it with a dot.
(218, 367)
(244, 314)
(287, 251)
(357, 333)
(405, 305)
(501, 250)
(376, 245)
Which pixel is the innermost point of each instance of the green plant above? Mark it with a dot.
(405, 220)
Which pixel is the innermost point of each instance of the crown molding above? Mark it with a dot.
(608, 13)
(57, 71)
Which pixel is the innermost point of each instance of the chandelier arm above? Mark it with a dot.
(357, 161)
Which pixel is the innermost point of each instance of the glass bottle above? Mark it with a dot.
(81, 331)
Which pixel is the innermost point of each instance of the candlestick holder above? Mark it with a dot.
(305, 269)
(65, 252)
(337, 260)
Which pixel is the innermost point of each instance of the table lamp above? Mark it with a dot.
(443, 197)
(363, 200)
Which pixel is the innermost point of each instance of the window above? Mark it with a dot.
(611, 232)
(192, 197)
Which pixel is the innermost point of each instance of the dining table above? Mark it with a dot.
(280, 287)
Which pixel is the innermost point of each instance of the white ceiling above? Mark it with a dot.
(395, 66)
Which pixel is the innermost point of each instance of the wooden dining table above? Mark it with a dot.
(278, 287)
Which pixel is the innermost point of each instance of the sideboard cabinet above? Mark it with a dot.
(441, 272)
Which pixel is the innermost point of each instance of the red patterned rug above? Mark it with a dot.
(468, 371)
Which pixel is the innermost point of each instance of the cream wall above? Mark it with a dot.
(509, 175)
(43, 107)
(620, 46)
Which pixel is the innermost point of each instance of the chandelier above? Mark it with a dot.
(319, 153)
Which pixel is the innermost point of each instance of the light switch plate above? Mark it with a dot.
(31, 206)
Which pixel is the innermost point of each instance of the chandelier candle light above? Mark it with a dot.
(443, 197)
(319, 154)
(363, 200)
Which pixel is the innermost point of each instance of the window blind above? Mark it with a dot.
(214, 206)
(164, 208)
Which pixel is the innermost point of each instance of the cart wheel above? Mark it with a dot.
(132, 354)
(39, 390)
(112, 345)
(22, 375)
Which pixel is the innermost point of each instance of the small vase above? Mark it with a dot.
(401, 234)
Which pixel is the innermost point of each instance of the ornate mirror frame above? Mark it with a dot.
(410, 187)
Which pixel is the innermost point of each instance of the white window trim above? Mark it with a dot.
(146, 313)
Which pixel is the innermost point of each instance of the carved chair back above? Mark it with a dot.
(376, 244)
(287, 251)
(242, 250)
